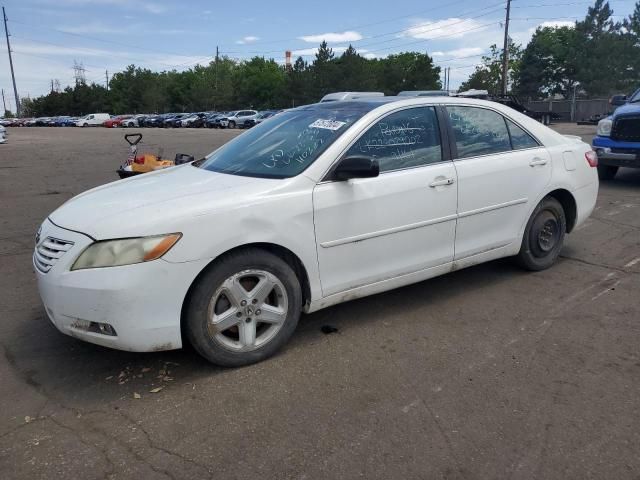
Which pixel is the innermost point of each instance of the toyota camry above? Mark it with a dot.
(313, 207)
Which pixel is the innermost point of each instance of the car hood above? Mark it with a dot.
(157, 202)
(627, 108)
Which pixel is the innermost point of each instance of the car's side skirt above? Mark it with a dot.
(409, 278)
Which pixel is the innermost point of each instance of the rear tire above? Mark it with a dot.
(607, 172)
(544, 236)
(244, 308)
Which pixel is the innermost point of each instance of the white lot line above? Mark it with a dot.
(632, 262)
(608, 289)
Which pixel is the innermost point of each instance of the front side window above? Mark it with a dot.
(404, 139)
(478, 131)
(286, 144)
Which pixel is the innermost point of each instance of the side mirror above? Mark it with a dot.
(356, 167)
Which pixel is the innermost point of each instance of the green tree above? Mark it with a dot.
(549, 64)
(298, 83)
(323, 71)
(408, 71)
(488, 75)
(260, 84)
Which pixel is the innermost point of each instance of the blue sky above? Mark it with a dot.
(49, 35)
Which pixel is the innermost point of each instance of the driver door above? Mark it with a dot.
(403, 221)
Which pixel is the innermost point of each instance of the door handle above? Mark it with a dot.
(440, 183)
(538, 161)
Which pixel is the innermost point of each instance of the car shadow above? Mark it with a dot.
(626, 177)
(64, 368)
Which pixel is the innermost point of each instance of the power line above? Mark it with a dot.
(418, 30)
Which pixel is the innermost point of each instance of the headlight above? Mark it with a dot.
(604, 127)
(113, 253)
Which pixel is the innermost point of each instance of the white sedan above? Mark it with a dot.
(313, 207)
(3, 134)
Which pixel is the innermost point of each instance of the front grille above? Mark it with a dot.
(626, 129)
(49, 251)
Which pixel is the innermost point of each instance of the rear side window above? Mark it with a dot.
(404, 139)
(519, 138)
(478, 131)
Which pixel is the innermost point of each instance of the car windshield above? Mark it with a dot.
(286, 144)
(635, 97)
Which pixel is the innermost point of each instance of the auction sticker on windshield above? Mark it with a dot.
(327, 124)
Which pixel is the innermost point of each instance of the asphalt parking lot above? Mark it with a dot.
(489, 372)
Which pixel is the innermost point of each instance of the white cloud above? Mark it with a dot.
(450, 28)
(459, 52)
(247, 39)
(151, 7)
(348, 36)
(91, 27)
(337, 50)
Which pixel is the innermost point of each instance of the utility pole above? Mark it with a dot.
(217, 58)
(505, 52)
(13, 76)
(4, 104)
(106, 76)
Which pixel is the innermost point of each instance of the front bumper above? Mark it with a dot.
(617, 154)
(141, 302)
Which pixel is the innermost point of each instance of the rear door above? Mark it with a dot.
(403, 221)
(501, 170)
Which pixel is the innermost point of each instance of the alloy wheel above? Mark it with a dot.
(247, 310)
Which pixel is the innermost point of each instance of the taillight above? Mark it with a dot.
(592, 158)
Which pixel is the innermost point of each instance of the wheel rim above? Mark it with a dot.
(545, 234)
(247, 311)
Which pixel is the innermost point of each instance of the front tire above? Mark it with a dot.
(244, 308)
(232, 124)
(544, 236)
(607, 172)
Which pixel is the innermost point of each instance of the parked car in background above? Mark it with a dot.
(262, 116)
(66, 122)
(319, 205)
(237, 118)
(154, 120)
(617, 140)
(42, 121)
(134, 121)
(195, 120)
(3, 134)
(213, 120)
(93, 120)
(115, 121)
(174, 121)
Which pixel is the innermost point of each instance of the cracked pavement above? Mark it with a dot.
(488, 372)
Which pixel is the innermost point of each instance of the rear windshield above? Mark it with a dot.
(286, 144)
